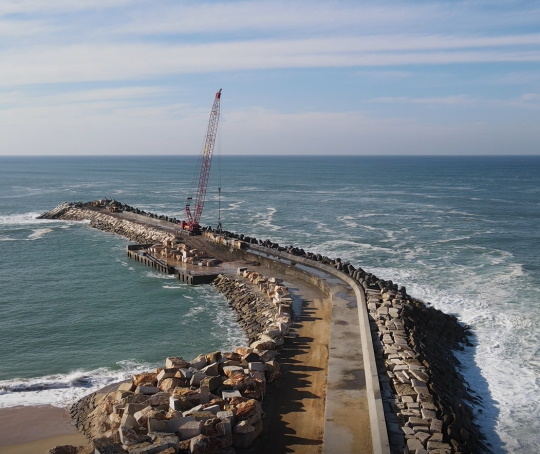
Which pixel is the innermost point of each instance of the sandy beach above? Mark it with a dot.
(29, 430)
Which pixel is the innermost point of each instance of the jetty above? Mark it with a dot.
(338, 361)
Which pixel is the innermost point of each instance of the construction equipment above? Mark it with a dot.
(192, 223)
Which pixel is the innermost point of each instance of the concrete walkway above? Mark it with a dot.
(347, 427)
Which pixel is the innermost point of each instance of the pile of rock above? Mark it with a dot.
(424, 395)
(104, 221)
(208, 405)
(183, 253)
(264, 314)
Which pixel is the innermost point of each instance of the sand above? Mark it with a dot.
(29, 430)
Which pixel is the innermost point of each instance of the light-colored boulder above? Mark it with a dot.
(146, 390)
(176, 362)
(168, 384)
(229, 371)
(190, 429)
(199, 362)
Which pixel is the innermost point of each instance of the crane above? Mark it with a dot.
(192, 223)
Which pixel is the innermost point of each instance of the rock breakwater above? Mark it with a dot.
(105, 221)
(209, 405)
(427, 405)
(263, 311)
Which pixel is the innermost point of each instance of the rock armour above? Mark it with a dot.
(208, 405)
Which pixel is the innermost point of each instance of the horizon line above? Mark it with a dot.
(267, 155)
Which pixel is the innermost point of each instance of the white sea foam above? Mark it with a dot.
(265, 219)
(61, 390)
(373, 215)
(174, 287)
(502, 368)
(332, 246)
(39, 233)
(22, 219)
(349, 221)
(322, 227)
(156, 275)
(232, 206)
(451, 240)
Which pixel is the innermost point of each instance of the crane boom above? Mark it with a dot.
(206, 162)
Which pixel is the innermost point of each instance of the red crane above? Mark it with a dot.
(192, 223)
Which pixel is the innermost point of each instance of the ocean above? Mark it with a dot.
(461, 233)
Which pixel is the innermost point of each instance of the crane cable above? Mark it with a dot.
(219, 227)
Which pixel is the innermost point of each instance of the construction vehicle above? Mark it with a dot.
(192, 224)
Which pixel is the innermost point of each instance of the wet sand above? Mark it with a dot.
(25, 430)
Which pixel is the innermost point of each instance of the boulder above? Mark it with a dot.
(65, 449)
(143, 389)
(190, 429)
(238, 382)
(211, 370)
(158, 399)
(168, 384)
(165, 373)
(145, 379)
(213, 357)
(244, 434)
(129, 436)
(264, 343)
(176, 362)
(245, 410)
(199, 362)
(202, 444)
(213, 383)
(197, 378)
(229, 371)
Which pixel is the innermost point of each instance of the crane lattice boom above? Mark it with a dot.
(206, 162)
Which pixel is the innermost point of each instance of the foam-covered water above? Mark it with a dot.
(460, 233)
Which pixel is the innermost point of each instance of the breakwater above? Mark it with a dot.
(210, 404)
(426, 404)
(109, 221)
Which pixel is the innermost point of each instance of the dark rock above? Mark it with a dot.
(65, 449)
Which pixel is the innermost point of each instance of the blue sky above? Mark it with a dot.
(298, 77)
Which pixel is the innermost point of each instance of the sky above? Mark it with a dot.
(138, 77)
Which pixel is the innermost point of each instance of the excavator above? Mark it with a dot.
(193, 217)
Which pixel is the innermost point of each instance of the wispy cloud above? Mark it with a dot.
(458, 100)
(28, 7)
(71, 63)
(119, 65)
(117, 95)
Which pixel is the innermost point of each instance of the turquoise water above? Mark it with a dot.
(460, 233)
